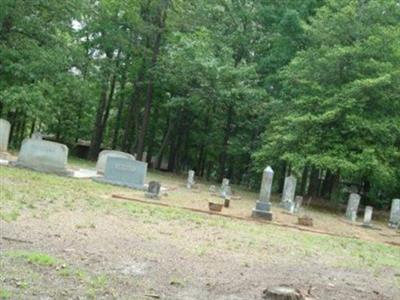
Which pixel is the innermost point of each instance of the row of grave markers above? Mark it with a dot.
(292, 203)
(119, 168)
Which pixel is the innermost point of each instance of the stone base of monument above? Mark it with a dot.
(394, 225)
(117, 183)
(262, 210)
(267, 215)
(151, 196)
(282, 293)
(42, 169)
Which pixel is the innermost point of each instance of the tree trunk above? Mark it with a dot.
(164, 144)
(149, 91)
(224, 152)
(97, 135)
(119, 113)
(313, 187)
(304, 178)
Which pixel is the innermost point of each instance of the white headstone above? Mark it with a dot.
(368, 215)
(190, 179)
(102, 159)
(298, 201)
(352, 206)
(225, 189)
(43, 156)
(4, 134)
(289, 191)
(263, 205)
(394, 220)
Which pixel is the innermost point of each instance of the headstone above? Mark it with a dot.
(289, 190)
(125, 172)
(368, 216)
(298, 202)
(263, 205)
(212, 189)
(352, 207)
(190, 179)
(43, 156)
(37, 136)
(225, 189)
(4, 134)
(153, 190)
(105, 154)
(394, 220)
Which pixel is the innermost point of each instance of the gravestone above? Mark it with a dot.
(352, 207)
(153, 190)
(125, 172)
(225, 188)
(190, 179)
(289, 190)
(4, 134)
(394, 220)
(43, 156)
(212, 189)
(105, 154)
(144, 156)
(298, 202)
(263, 205)
(368, 216)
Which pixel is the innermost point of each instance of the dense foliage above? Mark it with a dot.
(225, 87)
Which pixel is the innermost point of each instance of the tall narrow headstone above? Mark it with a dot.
(394, 220)
(289, 191)
(263, 205)
(298, 202)
(352, 206)
(4, 134)
(190, 179)
(225, 188)
(368, 216)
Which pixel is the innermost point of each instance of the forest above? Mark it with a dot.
(223, 87)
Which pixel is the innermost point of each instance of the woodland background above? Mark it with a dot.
(224, 87)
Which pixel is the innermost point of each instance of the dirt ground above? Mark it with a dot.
(104, 248)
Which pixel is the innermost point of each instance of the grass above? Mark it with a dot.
(4, 294)
(40, 195)
(36, 258)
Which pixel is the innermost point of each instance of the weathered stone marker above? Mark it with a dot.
(190, 179)
(352, 207)
(4, 134)
(394, 220)
(105, 154)
(125, 172)
(225, 188)
(153, 190)
(298, 202)
(368, 216)
(289, 190)
(43, 156)
(263, 205)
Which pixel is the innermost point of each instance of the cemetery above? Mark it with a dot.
(200, 149)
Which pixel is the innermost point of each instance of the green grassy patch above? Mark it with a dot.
(4, 294)
(36, 258)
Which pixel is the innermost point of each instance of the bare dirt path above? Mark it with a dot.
(175, 260)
